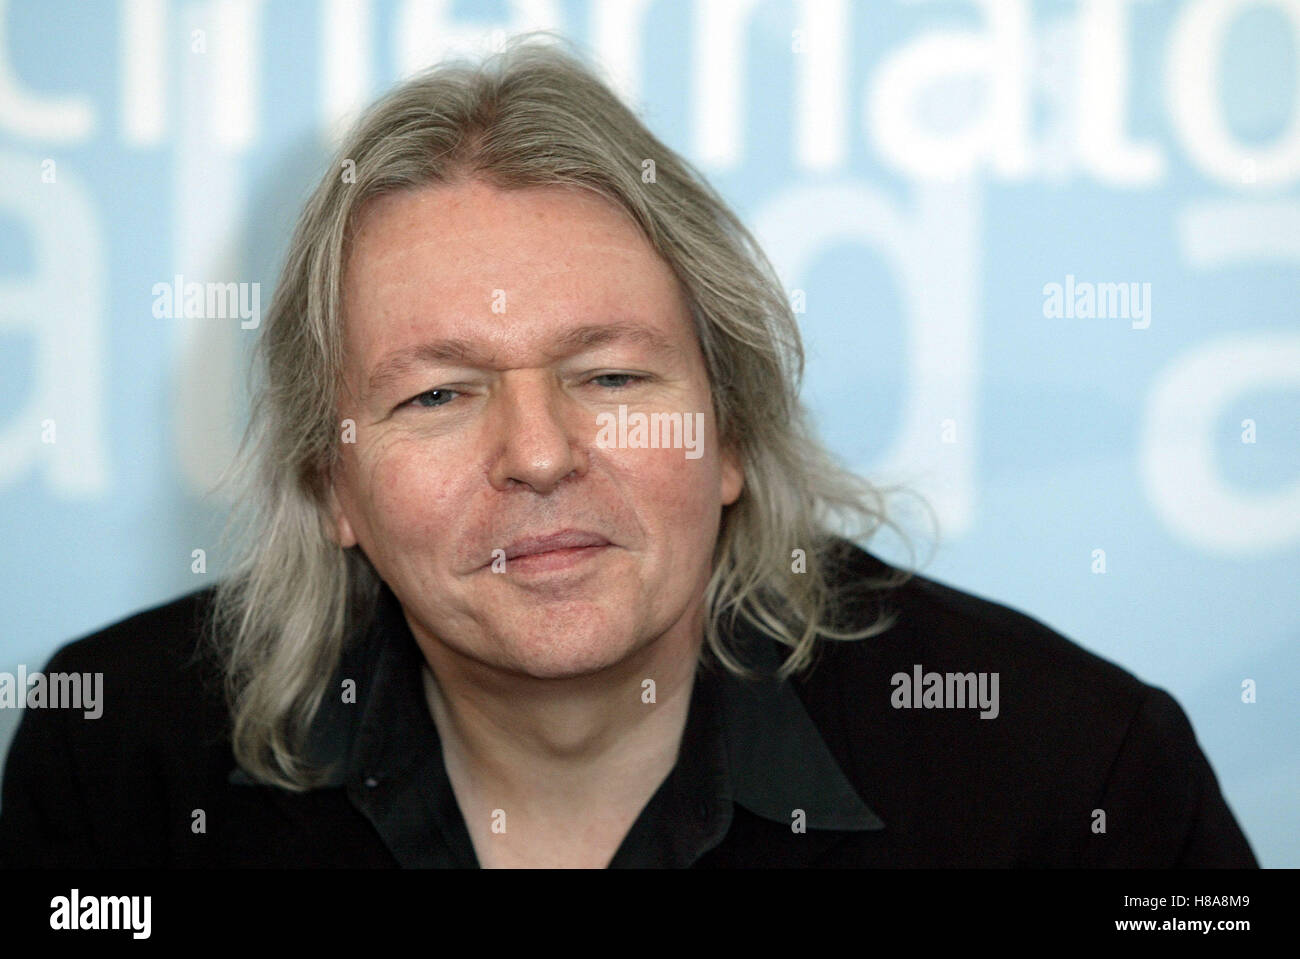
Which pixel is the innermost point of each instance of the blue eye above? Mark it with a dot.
(432, 398)
(626, 377)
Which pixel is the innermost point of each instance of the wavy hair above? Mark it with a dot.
(531, 115)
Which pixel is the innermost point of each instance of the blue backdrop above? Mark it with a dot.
(1044, 253)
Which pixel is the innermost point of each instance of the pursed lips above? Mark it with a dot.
(568, 539)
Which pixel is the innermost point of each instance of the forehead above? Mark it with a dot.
(512, 269)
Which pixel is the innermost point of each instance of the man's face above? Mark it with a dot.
(487, 333)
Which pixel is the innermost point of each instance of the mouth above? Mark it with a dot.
(559, 550)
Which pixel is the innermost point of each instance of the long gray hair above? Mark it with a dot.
(531, 115)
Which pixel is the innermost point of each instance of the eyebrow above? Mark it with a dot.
(458, 352)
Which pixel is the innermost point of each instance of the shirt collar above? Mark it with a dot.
(749, 742)
(779, 761)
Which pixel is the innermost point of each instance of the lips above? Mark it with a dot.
(565, 539)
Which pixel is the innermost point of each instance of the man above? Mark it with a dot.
(540, 570)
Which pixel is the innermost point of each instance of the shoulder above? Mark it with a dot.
(111, 770)
(935, 624)
(168, 633)
(968, 716)
(154, 674)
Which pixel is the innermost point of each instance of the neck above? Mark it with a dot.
(548, 747)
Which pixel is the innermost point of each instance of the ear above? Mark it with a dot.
(733, 476)
(340, 527)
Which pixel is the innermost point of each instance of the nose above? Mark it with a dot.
(535, 433)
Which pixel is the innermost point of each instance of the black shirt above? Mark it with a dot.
(737, 733)
(824, 770)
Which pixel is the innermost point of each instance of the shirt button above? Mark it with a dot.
(371, 782)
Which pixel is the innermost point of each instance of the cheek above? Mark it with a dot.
(676, 496)
(411, 499)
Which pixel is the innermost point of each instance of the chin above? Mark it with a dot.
(558, 653)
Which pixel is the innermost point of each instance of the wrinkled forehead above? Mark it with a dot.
(513, 269)
(469, 229)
